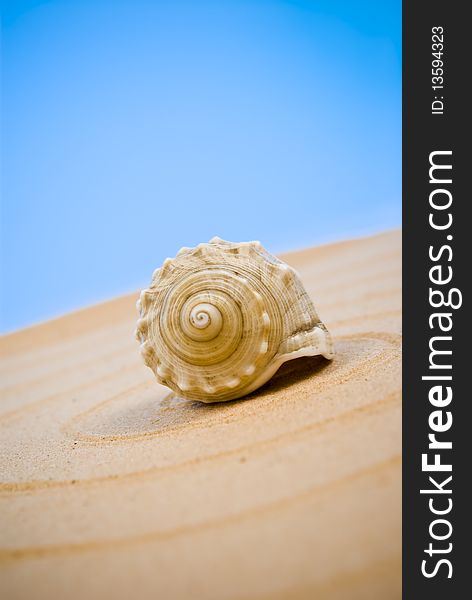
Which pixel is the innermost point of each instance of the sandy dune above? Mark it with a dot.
(111, 487)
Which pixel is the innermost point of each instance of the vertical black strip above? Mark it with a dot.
(426, 130)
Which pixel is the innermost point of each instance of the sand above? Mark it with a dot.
(111, 487)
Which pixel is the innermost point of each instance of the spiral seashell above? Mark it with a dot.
(220, 319)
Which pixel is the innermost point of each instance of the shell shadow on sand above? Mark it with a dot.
(288, 374)
(145, 414)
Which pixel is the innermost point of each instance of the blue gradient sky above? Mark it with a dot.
(131, 128)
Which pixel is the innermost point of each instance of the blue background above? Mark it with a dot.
(131, 128)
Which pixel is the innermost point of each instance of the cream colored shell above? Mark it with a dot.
(220, 319)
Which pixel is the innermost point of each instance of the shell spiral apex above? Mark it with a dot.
(219, 319)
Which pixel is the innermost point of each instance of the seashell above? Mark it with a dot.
(220, 319)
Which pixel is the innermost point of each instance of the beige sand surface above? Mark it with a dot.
(111, 487)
